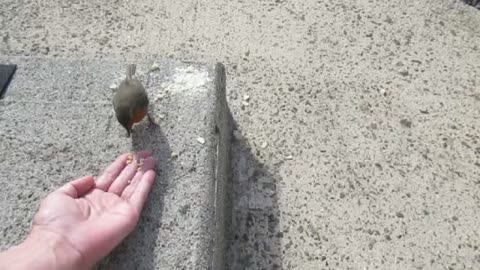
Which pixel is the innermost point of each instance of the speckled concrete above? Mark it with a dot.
(57, 124)
(358, 121)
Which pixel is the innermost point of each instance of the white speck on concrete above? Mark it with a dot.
(187, 79)
(201, 140)
(154, 67)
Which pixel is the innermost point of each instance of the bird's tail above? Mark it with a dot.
(131, 71)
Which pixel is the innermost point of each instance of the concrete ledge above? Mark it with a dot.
(57, 123)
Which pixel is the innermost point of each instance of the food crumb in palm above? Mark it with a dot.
(129, 158)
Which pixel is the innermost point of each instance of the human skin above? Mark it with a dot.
(84, 220)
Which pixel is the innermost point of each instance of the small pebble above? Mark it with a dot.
(173, 155)
(113, 86)
(246, 97)
(264, 145)
(244, 103)
(289, 157)
(201, 140)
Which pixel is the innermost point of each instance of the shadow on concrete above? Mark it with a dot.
(138, 249)
(256, 242)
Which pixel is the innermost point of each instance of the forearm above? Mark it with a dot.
(41, 251)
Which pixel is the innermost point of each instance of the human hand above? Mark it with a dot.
(85, 220)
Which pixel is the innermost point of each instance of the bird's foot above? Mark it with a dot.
(151, 122)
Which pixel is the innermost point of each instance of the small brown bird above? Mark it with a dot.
(130, 101)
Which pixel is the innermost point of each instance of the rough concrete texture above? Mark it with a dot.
(57, 124)
(473, 3)
(359, 142)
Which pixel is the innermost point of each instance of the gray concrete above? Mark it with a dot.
(370, 110)
(57, 123)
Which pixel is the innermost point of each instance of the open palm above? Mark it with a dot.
(94, 217)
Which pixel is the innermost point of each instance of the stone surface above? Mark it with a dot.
(58, 124)
(329, 84)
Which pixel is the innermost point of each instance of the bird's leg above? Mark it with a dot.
(150, 120)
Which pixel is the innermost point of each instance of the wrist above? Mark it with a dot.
(42, 250)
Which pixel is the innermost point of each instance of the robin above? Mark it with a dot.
(130, 101)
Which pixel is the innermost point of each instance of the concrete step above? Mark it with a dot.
(57, 123)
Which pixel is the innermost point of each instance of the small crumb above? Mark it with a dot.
(173, 155)
(154, 67)
(264, 145)
(246, 97)
(139, 169)
(129, 158)
(140, 163)
(113, 86)
(289, 157)
(383, 92)
(244, 103)
(161, 116)
(201, 140)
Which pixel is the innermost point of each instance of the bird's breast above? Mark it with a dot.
(139, 115)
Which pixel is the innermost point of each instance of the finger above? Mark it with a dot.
(128, 173)
(111, 173)
(79, 187)
(148, 164)
(140, 194)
